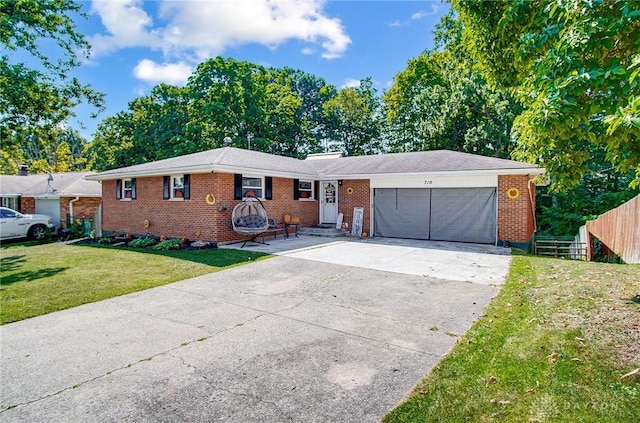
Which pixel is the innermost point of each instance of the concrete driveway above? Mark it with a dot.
(302, 337)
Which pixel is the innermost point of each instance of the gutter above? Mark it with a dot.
(201, 169)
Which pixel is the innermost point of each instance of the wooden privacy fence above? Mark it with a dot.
(619, 231)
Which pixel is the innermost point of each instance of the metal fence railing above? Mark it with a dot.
(561, 248)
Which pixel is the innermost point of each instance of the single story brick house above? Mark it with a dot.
(436, 195)
(59, 195)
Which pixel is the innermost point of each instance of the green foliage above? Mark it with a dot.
(8, 165)
(35, 100)
(168, 244)
(278, 111)
(573, 66)
(441, 102)
(601, 189)
(353, 120)
(143, 242)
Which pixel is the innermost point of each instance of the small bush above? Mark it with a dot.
(169, 244)
(142, 242)
(105, 241)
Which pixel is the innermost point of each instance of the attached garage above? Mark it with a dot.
(441, 214)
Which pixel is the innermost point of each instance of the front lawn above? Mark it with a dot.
(560, 343)
(36, 279)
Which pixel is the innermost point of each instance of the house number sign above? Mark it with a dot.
(428, 182)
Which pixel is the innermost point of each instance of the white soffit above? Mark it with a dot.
(477, 181)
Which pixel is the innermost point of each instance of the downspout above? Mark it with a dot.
(533, 209)
(71, 208)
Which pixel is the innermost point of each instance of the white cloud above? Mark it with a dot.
(171, 73)
(127, 25)
(435, 9)
(192, 31)
(419, 15)
(350, 82)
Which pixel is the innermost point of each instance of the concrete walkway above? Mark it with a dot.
(283, 339)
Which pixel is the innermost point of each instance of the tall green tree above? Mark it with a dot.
(441, 102)
(37, 93)
(279, 111)
(354, 120)
(573, 65)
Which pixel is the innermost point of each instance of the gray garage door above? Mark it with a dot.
(447, 214)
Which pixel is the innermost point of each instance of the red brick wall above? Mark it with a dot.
(27, 205)
(83, 207)
(361, 197)
(515, 215)
(191, 217)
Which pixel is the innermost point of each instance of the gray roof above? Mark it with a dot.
(236, 160)
(67, 184)
(435, 161)
(226, 159)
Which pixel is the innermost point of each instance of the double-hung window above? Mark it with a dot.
(126, 189)
(305, 189)
(252, 186)
(248, 185)
(176, 187)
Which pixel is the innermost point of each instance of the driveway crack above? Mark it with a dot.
(130, 365)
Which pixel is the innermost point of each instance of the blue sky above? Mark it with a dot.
(138, 44)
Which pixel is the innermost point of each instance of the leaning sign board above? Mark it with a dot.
(356, 226)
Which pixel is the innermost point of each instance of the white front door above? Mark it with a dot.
(329, 202)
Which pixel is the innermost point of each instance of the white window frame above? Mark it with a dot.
(125, 189)
(173, 187)
(311, 190)
(246, 188)
(10, 202)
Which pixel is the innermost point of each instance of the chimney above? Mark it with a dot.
(23, 170)
(227, 141)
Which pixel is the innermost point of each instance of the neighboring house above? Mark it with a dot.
(55, 194)
(438, 195)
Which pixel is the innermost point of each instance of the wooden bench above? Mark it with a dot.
(275, 227)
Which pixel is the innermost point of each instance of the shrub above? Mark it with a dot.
(169, 244)
(142, 242)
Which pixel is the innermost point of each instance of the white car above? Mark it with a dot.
(18, 225)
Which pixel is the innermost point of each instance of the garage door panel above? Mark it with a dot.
(441, 214)
(402, 213)
(49, 207)
(464, 214)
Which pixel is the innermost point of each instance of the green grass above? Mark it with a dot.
(36, 279)
(551, 347)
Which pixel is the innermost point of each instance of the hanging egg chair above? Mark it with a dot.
(250, 218)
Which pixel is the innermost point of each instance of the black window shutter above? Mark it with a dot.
(187, 186)
(316, 189)
(165, 187)
(118, 189)
(296, 190)
(133, 189)
(19, 205)
(237, 186)
(268, 191)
